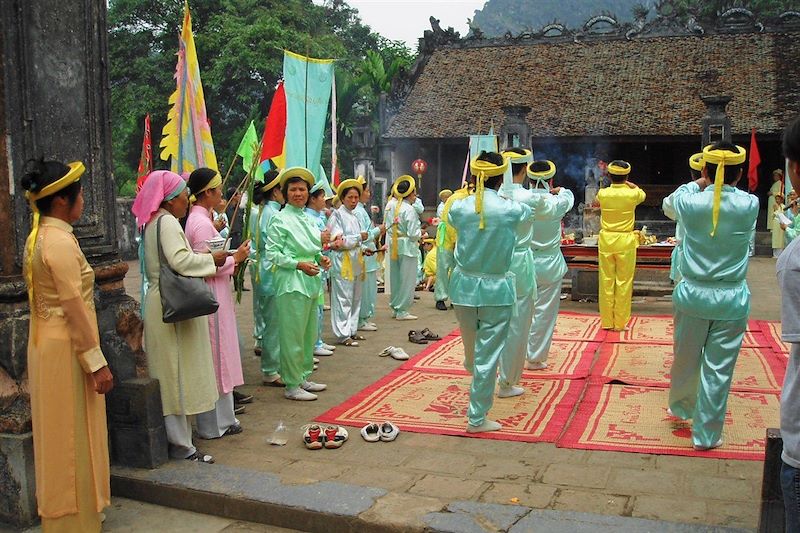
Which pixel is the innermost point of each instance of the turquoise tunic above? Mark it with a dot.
(677, 251)
(403, 270)
(264, 290)
(711, 305)
(369, 289)
(293, 237)
(550, 269)
(482, 288)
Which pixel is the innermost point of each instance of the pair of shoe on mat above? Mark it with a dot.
(331, 437)
(422, 337)
(385, 432)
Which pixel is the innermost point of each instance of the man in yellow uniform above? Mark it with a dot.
(617, 246)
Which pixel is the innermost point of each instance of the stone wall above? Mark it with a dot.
(126, 229)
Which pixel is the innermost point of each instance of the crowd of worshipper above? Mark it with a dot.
(497, 260)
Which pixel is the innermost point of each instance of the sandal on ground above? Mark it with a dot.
(349, 342)
(386, 351)
(233, 430)
(431, 336)
(417, 337)
(358, 337)
(200, 457)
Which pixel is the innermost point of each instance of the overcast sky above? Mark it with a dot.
(406, 20)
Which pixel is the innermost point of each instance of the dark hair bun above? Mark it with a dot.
(40, 173)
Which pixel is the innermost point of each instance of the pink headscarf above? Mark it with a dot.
(160, 186)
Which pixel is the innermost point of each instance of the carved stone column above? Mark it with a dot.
(54, 102)
(716, 124)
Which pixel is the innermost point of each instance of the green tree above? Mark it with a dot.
(240, 48)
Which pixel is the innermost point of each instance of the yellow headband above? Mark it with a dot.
(721, 158)
(544, 175)
(271, 185)
(619, 170)
(482, 170)
(518, 159)
(76, 170)
(696, 162)
(346, 184)
(413, 186)
(215, 182)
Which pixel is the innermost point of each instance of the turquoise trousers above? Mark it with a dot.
(403, 274)
(268, 315)
(258, 306)
(483, 331)
(545, 314)
(702, 371)
(369, 293)
(513, 358)
(297, 324)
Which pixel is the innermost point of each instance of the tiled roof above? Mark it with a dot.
(648, 86)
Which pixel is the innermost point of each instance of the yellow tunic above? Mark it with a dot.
(617, 252)
(429, 265)
(70, 439)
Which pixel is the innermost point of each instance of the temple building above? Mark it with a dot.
(650, 92)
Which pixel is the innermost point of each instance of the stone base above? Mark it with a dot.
(646, 282)
(17, 481)
(136, 424)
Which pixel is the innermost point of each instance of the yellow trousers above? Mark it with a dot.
(616, 287)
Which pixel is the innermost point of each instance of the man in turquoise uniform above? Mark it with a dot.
(712, 301)
(548, 261)
(369, 289)
(263, 282)
(481, 286)
(696, 169)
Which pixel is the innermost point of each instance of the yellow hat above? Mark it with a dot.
(696, 161)
(296, 172)
(619, 167)
(429, 241)
(444, 194)
(272, 184)
(361, 180)
(544, 174)
(517, 158)
(412, 186)
(721, 158)
(346, 184)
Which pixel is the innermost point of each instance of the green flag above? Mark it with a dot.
(247, 151)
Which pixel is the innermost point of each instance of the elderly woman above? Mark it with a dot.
(294, 245)
(347, 269)
(67, 372)
(179, 354)
(404, 246)
(204, 184)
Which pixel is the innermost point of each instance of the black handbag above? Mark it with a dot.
(182, 297)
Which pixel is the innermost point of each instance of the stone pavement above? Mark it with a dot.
(421, 476)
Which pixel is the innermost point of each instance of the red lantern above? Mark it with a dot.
(419, 166)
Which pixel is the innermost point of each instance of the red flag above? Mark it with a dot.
(337, 178)
(272, 146)
(146, 158)
(755, 160)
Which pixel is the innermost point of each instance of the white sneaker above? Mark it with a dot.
(398, 353)
(326, 307)
(509, 392)
(488, 425)
(310, 386)
(299, 394)
(371, 432)
(405, 317)
(327, 346)
(316, 361)
(388, 432)
(319, 351)
(369, 326)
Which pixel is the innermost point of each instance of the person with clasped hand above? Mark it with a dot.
(179, 354)
(68, 374)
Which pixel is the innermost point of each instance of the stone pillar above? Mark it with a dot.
(515, 131)
(716, 124)
(364, 161)
(54, 102)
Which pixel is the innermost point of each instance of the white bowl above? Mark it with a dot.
(216, 245)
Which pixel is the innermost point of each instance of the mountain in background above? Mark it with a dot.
(499, 16)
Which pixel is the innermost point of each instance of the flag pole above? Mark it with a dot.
(305, 112)
(228, 173)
